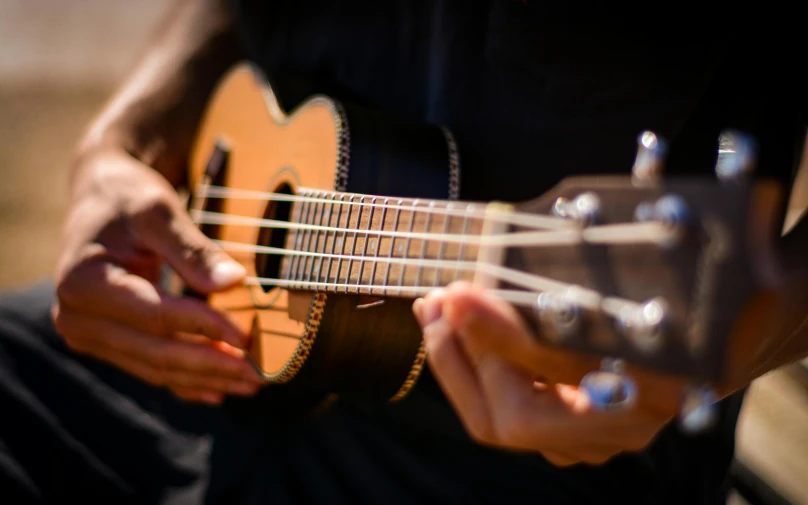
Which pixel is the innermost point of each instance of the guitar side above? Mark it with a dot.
(331, 342)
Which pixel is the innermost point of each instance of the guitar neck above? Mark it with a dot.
(348, 243)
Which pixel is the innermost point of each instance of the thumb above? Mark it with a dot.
(168, 230)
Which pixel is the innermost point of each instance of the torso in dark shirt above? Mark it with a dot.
(532, 95)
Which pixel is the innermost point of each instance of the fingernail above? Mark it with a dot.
(430, 311)
(227, 272)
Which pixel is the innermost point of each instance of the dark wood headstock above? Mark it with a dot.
(708, 273)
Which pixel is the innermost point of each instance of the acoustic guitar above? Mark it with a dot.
(342, 216)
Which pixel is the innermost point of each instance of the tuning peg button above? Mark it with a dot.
(584, 208)
(650, 159)
(699, 410)
(737, 156)
(609, 388)
(646, 324)
(561, 313)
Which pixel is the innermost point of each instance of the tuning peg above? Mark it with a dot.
(585, 208)
(609, 388)
(699, 410)
(737, 156)
(560, 313)
(650, 159)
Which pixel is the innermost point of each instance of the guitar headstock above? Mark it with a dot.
(665, 268)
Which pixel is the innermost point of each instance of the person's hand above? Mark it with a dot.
(511, 391)
(123, 219)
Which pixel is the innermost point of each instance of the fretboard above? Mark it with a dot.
(370, 245)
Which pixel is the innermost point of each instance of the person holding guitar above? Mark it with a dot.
(114, 389)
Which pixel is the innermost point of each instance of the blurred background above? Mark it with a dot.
(59, 61)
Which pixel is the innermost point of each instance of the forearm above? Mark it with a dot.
(153, 116)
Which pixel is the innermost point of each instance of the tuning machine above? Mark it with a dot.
(610, 388)
(699, 410)
(560, 314)
(737, 156)
(584, 209)
(650, 159)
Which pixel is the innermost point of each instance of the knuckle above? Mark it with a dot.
(163, 360)
(183, 394)
(62, 323)
(639, 444)
(154, 378)
(513, 429)
(479, 431)
(559, 461)
(150, 209)
(158, 323)
(515, 423)
(195, 254)
(73, 286)
(601, 458)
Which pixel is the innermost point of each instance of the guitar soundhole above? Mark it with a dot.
(270, 265)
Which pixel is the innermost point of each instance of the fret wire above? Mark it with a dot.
(353, 243)
(280, 251)
(334, 238)
(365, 244)
(427, 222)
(299, 239)
(515, 218)
(392, 247)
(291, 239)
(403, 270)
(327, 213)
(442, 247)
(461, 251)
(307, 240)
(344, 239)
(317, 247)
(378, 246)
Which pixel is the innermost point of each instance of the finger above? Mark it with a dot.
(162, 225)
(198, 395)
(566, 416)
(576, 456)
(106, 338)
(457, 379)
(559, 459)
(514, 403)
(181, 380)
(487, 324)
(102, 288)
(429, 308)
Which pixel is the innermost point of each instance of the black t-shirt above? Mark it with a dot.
(532, 95)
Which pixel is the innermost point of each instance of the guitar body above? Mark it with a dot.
(333, 343)
(342, 215)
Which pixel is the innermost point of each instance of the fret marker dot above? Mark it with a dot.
(400, 248)
(372, 244)
(339, 242)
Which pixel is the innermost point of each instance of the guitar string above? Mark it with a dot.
(585, 297)
(652, 232)
(619, 233)
(446, 208)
